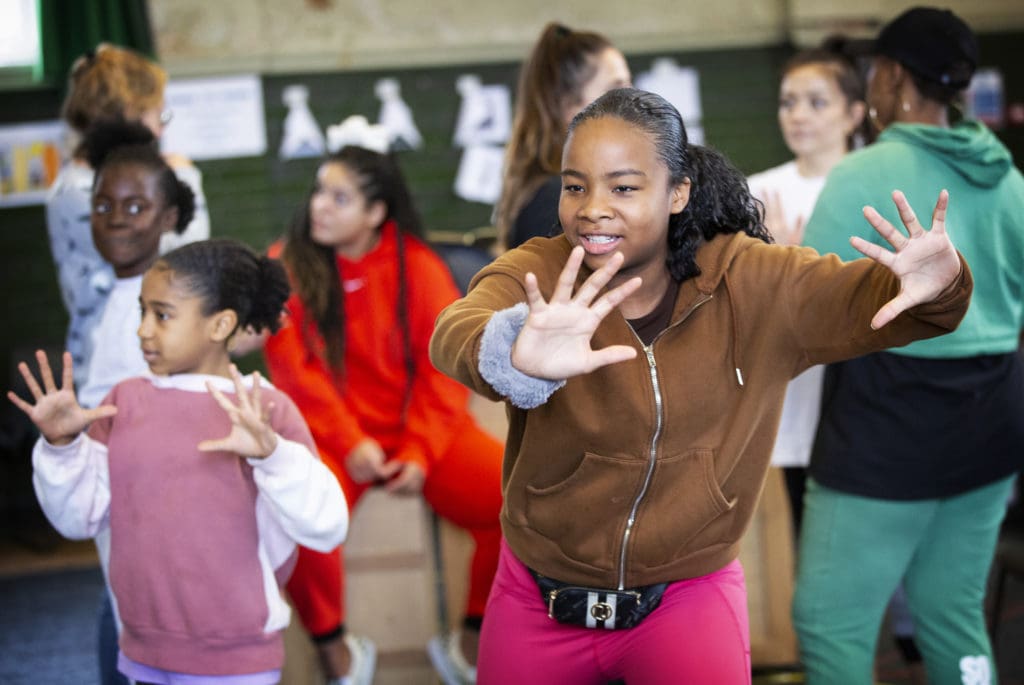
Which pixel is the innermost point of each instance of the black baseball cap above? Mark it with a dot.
(933, 43)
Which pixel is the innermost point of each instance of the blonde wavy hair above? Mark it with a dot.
(111, 83)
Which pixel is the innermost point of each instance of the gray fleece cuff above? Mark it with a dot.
(523, 391)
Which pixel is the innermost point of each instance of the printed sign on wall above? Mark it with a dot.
(215, 118)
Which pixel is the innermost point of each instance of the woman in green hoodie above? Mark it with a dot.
(918, 446)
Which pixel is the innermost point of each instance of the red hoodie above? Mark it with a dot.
(366, 400)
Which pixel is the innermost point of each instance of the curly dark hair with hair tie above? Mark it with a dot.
(227, 274)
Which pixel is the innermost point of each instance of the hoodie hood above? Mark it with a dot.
(970, 149)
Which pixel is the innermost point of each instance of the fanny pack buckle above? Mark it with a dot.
(598, 607)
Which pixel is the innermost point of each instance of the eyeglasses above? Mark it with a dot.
(166, 116)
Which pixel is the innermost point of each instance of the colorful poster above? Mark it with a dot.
(30, 157)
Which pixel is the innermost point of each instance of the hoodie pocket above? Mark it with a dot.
(585, 513)
(684, 498)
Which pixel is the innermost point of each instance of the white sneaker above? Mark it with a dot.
(364, 661)
(448, 660)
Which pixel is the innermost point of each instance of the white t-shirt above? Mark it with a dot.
(802, 406)
(115, 343)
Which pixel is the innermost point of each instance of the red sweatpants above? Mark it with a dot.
(463, 487)
(698, 634)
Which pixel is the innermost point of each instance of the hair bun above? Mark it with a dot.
(105, 136)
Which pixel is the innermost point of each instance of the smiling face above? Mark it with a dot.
(617, 197)
(175, 335)
(815, 117)
(128, 217)
(339, 215)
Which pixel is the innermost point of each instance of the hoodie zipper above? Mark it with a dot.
(652, 452)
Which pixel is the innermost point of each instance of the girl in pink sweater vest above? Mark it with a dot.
(205, 480)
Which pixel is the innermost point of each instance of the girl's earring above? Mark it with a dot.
(906, 106)
(873, 113)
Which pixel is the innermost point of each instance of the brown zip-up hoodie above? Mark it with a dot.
(649, 470)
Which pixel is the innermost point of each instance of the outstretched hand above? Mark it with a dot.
(56, 412)
(785, 233)
(925, 261)
(251, 435)
(554, 342)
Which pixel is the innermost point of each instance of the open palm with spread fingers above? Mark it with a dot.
(554, 342)
(251, 435)
(785, 233)
(925, 261)
(56, 412)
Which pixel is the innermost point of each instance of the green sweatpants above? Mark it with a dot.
(854, 551)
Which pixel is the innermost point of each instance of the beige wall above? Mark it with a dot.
(197, 36)
(813, 19)
(219, 36)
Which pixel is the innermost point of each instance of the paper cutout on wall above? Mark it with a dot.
(302, 136)
(357, 130)
(479, 175)
(485, 115)
(396, 116)
(680, 86)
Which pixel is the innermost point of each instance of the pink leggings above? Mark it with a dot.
(698, 634)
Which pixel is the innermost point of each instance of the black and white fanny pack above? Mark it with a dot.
(598, 607)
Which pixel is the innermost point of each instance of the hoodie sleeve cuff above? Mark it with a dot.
(495, 363)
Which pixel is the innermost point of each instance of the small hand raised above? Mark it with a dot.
(56, 412)
(251, 435)
(775, 221)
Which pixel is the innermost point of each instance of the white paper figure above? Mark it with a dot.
(356, 130)
(681, 87)
(479, 175)
(302, 136)
(485, 115)
(396, 116)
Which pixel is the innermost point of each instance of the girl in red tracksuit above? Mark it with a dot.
(353, 356)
